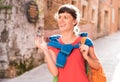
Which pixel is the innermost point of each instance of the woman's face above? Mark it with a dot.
(65, 22)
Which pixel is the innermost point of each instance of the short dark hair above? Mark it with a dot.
(71, 9)
(68, 10)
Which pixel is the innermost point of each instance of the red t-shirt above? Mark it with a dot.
(74, 69)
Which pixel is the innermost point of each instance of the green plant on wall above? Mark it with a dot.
(22, 66)
(2, 6)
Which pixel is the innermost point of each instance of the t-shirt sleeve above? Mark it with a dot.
(89, 42)
(55, 50)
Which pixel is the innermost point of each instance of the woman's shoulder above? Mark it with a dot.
(83, 34)
(88, 40)
(54, 37)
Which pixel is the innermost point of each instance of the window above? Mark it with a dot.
(49, 4)
(93, 15)
(73, 2)
(106, 23)
(111, 2)
(84, 11)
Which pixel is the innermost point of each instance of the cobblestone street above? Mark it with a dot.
(107, 49)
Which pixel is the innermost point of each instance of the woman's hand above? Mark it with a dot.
(40, 43)
(84, 50)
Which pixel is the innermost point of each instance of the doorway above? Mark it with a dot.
(106, 23)
(119, 19)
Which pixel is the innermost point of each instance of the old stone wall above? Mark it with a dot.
(17, 49)
(108, 17)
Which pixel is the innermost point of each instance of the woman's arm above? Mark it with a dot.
(90, 56)
(92, 60)
(50, 56)
(50, 59)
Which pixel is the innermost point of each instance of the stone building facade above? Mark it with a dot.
(108, 17)
(18, 52)
(118, 15)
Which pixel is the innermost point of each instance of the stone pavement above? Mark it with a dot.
(107, 49)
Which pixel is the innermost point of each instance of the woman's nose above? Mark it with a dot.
(61, 19)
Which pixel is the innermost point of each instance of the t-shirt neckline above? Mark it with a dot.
(73, 43)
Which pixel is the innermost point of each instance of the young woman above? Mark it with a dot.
(73, 69)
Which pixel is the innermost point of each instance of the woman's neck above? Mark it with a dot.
(68, 37)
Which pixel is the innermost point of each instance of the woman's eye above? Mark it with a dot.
(62, 17)
(65, 17)
(59, 17)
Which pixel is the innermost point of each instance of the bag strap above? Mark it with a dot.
(82, 41)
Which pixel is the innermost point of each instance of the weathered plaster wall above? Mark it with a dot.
(17, 49)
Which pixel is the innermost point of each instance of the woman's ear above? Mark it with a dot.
(75, 22)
